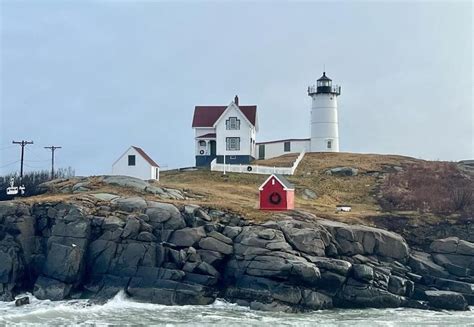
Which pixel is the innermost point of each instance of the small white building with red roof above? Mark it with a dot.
(228, 131)
(136, 163)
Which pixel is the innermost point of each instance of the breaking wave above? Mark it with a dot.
(123, 311)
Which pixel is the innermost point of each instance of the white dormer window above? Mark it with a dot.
(232, 123)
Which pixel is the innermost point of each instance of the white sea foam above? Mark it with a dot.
(122, 310)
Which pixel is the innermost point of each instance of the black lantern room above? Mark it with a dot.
(324, 85)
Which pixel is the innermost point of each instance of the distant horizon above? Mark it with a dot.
(98, 77)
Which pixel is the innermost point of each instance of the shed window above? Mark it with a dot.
(131, 160)
(287, 146)
(232, 123)
(233, 143)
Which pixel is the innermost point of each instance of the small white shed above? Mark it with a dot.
(136, 163)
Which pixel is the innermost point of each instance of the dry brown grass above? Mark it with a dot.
(285, 160)
(239, 192)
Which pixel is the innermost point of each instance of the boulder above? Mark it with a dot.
(213, 244)
(126, 181)
(130, 204)
(50, 289)
(446, 300)
(22, 301)
(166, 214)
(187, 236)
(132, 227)
(362, 272)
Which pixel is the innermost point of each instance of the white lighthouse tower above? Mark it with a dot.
(324, 123)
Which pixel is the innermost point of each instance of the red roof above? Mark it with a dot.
(145, 156)
(207, 136)
(206, 116)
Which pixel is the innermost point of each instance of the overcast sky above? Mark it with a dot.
(96, 77)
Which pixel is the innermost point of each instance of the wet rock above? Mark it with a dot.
(446, 300)
(50, 289)
(22, 301)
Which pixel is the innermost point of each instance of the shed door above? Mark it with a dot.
(261, 151)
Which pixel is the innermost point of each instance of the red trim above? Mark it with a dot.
(145, 156)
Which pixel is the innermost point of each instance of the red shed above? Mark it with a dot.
(277, 193)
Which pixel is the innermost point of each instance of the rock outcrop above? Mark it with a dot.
(157, 252)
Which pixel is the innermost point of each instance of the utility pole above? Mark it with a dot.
(22, 144)
(52, 148)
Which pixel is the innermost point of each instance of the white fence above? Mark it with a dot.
(256, 169)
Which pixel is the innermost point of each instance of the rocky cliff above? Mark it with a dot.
(158, 252)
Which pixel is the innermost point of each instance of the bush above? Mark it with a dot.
(429, 187)
(31, 180)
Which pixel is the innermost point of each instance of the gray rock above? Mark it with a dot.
(132, 227)
(363, 272)
(213, 244)
(146, 237)
(220, 237)
(447, 245)
(231, 231)
(446, 300)
(166, 214)
(130, 204)
(187, 236)
(112, 223)
(309, 194)
(22, 301)
(104, 196)
(342, 171)
(63, 262)
(316, 301)
(126, 181)
(51, 289)
(422, 264)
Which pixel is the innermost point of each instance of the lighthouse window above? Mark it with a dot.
(202, 143)
(232, 123)
(287, 146)
(329, 144)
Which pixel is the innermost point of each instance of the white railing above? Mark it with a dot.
(256, 169)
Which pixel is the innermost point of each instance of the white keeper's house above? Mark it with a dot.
(136, 163)
(228, 131)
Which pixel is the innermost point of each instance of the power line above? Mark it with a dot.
(9, 164)
(52, 148)
(22, 144)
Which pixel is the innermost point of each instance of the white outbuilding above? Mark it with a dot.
(136, 163)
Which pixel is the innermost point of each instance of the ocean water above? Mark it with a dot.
(121, 311)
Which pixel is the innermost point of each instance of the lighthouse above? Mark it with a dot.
(324, 122)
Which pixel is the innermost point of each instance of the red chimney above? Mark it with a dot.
(236, 100)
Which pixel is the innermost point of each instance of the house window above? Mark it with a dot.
(131, 160)
(329, 144)
(232, 123)
(232, 143)
(202, 143)
(287, 146)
